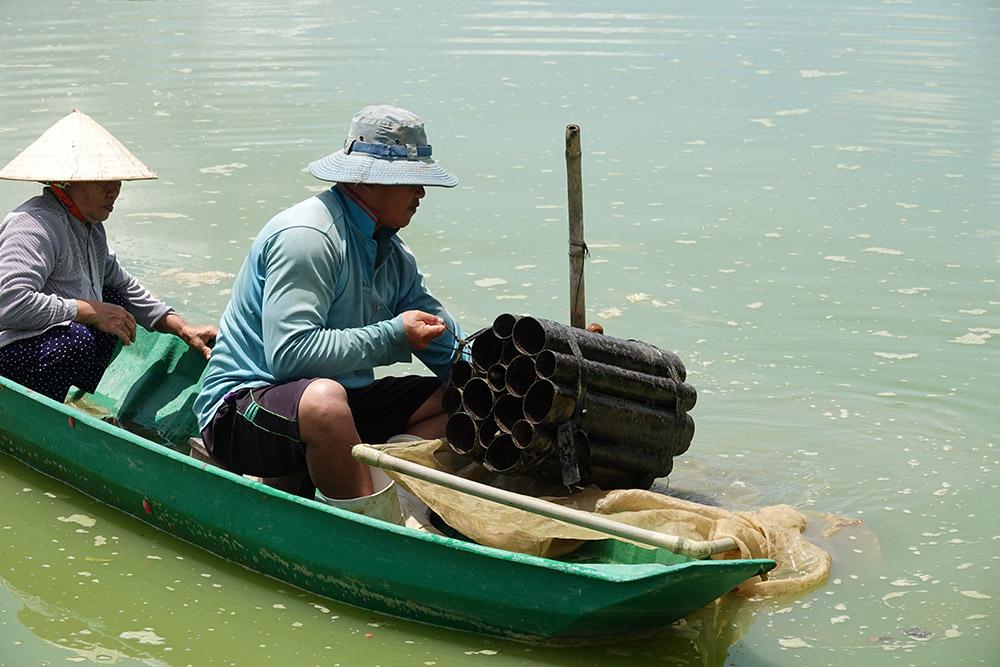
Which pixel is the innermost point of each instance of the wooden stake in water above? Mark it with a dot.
(577, 247)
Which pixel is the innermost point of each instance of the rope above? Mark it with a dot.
(462, 342)
(566, 433)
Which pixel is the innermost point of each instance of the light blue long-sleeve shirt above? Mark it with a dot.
(318, 296)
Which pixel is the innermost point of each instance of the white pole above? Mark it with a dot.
(679, 545)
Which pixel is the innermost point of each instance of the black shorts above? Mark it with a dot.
(256, 431)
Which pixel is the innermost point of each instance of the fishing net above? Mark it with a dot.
(774, 532)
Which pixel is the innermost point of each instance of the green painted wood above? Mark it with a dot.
(607, 590)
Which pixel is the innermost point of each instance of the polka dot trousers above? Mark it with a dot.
(66, 355)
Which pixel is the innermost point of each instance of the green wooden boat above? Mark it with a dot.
(607, 590)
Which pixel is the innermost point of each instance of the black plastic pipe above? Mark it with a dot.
(503, 325)
(496, 377)
(508, 410)
(461, 372)
(486, 350)
(608, 479)
(486, 430)
(532, 437)
(477, 397)
(531, 335)
(461, 433)
(502, 455)
(614, 381)
(608, 418)
(451, 401)
(521, 375)
(630, 459)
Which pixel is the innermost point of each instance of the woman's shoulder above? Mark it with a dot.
(40, 216)
(43, 203)
(43, 209)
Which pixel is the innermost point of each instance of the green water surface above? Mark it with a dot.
(800, 199)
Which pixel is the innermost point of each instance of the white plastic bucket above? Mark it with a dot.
(382, 504)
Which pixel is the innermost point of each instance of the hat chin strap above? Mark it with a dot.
(389, 151)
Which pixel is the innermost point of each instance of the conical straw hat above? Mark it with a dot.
(76, 148)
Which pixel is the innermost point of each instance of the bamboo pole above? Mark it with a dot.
(577, 247)
(679, 545)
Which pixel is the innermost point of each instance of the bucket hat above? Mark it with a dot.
(386, 146)
(76, 148)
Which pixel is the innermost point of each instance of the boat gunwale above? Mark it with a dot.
(611, 573)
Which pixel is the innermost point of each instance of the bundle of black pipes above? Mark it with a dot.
(543, 399)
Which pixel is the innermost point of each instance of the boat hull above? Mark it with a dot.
(352, 558)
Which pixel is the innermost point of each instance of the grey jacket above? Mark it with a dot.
(48, 260)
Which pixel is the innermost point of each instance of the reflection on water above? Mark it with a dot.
(128, 593)
(799, 201)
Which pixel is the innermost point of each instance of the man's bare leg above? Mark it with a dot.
(326, 426)
(429, 420)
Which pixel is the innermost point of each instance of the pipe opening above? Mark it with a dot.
(503, 325)
(538, 401)
(461, 372)
(508, 411)
(486, 430)
(509, 351)
(496, 377)
(461, 432)
(451, 401)
(523, 433)
(502, 455)
(477, 397)
(545, 364)
(520, 375)
(486, 350)
(529, 335)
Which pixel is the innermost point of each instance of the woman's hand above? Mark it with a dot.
(107, 317)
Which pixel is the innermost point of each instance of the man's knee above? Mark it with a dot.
(324, 403)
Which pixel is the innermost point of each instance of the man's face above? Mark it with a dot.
(393, 204)
(95, 199)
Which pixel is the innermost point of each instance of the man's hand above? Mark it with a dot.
(107, 317)
(421, 328)
(200, 337)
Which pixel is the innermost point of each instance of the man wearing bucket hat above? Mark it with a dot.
(327, 293)
(65, 301)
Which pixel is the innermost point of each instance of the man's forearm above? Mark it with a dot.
(171, 323)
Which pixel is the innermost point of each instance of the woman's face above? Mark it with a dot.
(95, 199)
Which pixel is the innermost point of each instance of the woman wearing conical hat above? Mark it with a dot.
(65, 301)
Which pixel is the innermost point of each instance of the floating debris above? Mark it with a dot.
(794, 642)
(197, 279)
(976, 595)
(146, 636)
(490, 282)
(82, 519)
(818, 74)
(917, 633)
(896, 355)
(223, 169)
